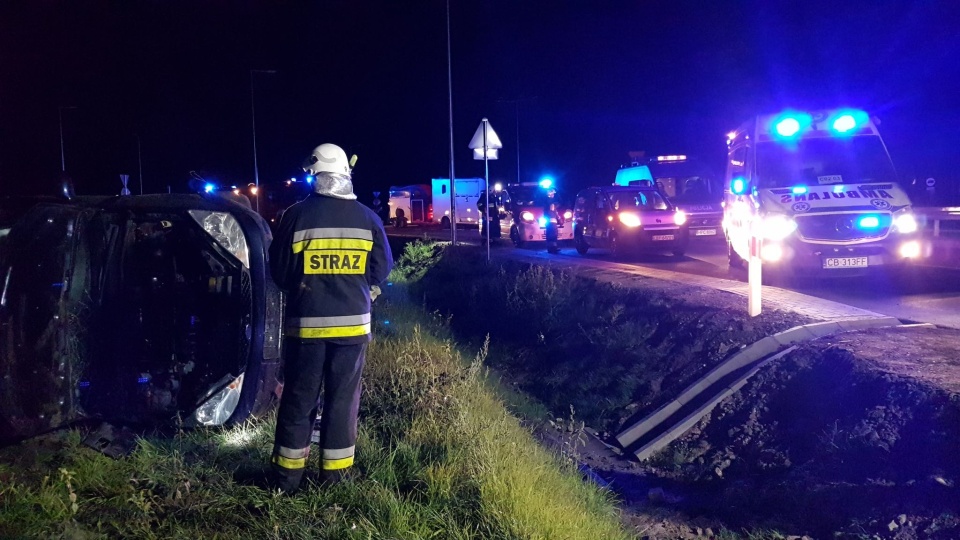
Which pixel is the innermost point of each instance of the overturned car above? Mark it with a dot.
(136, 310)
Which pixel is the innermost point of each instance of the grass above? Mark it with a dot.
(440, 454)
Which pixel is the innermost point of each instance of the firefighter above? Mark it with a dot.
(330, 255)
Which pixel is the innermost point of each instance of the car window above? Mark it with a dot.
(639, 200)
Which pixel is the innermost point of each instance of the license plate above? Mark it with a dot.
(845, 262)
(705, 232)
(663, 237)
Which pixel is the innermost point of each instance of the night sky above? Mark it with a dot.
(583, 83)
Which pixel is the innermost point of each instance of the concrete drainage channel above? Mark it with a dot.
(673, 419)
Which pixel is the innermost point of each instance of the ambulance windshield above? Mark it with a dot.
(819, 161)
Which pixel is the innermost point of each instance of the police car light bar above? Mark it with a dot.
(672, 158)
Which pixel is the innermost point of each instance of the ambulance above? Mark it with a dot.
(815, 192)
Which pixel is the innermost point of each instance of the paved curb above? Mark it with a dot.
(757, 355)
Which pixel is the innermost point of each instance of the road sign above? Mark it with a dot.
(485, 141)
(124, 178)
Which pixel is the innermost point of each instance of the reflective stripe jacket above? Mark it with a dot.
(325, 255)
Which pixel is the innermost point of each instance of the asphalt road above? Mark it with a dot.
(922, 294)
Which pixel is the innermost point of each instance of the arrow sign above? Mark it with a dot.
(485, 134)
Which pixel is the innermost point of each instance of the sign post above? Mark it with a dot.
(485, 143)
(754, 278)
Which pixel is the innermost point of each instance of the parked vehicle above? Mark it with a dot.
(528, 211)
(409, 204)
(135, 310)
(694, 188)
(628, 219)
(467, 192)
(818, 192)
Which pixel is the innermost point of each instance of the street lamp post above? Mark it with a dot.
(253, 117)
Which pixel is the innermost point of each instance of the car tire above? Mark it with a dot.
(736, 261)
(616, 249)
(580, 243)
(515, 237)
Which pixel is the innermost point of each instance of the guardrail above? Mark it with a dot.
(933, 217)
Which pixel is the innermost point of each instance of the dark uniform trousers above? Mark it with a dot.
(312, 364)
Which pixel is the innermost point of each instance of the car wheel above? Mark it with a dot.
(580, 243)
(616, 249)
(735, 260)
(515, 237)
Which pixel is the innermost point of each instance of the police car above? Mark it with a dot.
(628, 219)
(135, 310)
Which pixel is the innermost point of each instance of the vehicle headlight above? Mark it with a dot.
(217, 410)
(527, 216)
(777, 227)
(680, 217)
(568, 215)
(226, 231)
(628, 219)
(905, 223)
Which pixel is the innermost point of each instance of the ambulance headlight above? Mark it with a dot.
(527, 216)
(628, 219)
(218, 409)
(225, 231)
(905, 223)
(777, 227)
(568, 215)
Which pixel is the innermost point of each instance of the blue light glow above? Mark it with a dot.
(542, 221)
(310, 179)
(84, 384)
(799, 190)
(868, 222)
(844, 124)
(738, 186)
(546, 182)
(208, 188)
(143, 380)
(788, 127)
(386, 322)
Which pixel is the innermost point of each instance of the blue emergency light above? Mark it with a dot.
(309, 178)
(788, 127)
(799, 190)
(738, 186)
(868, 222)
(546, 182)
(848, 121)
(208, 188)
(791, 125)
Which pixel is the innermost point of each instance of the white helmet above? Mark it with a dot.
(327, 158)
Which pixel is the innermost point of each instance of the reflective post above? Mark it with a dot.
(486, 193)
(754, 278)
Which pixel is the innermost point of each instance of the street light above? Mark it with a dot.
(253, 116)
(63, 161)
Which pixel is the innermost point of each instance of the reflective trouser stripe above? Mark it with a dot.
(334, 464)
(288, 463)
(328, 327)
(291, 458)
(331, 332)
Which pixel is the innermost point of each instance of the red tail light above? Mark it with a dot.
(430, 212)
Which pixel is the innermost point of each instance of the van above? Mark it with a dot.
(628, 219)
(815, 192)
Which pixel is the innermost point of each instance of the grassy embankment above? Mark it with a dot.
(441, 459)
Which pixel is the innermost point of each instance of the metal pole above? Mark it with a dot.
(140, 163)
(63, 161)
(486, 193)
(517, 103)
(253, 120)
(453, 182)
